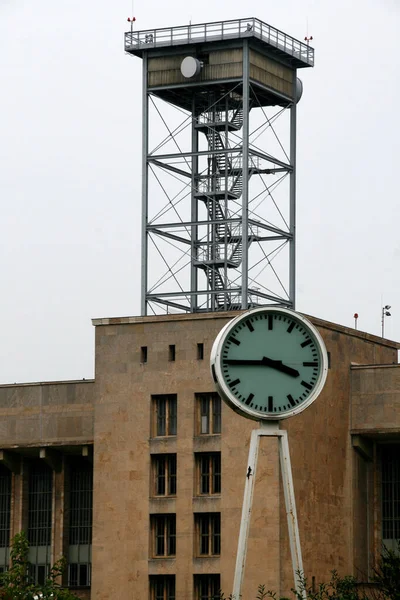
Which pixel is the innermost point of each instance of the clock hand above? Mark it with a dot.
(265, 361)
(242, 361)
(279, 366)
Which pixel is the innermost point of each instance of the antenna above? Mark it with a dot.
(307, 37)
(385, 313)
(132, 19)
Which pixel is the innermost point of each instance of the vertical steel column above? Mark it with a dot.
(145, 187)
(245, 172)
(292, 209)
(194, 301)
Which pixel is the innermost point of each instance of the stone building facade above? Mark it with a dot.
(137, 476)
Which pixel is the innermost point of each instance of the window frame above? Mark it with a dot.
(208, 413)
(208, 473)
(165, 583)
(80, 521)
(209, 582)
(163, 535)
(164, 475)
(40, 496)
(390, 494)
(5, 516)
(164, 415)
(208, 534)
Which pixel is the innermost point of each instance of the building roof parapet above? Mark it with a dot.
(38, 383)
(231, 314)
(298, 53)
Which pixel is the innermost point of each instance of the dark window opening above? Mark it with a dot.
(143, 354)
(162, 587)
(390, 456)
(78, 575)
(5, 513)
(207, 587)
(80, 522)
(171, 353)
(200, 351)
(39, 505)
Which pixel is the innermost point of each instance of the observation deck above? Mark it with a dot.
(283, 46)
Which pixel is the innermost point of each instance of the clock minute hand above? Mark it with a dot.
(279, 366)
(265, 361)
(242, 361)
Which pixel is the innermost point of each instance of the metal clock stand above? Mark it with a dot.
(268, 364)
(269, 428)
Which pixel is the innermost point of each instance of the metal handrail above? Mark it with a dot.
(220, 30)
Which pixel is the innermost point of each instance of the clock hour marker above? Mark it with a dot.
(291, 327)
(233, 383)
(270, 322)
(249, 399)
(306, 343)
(306, 385)
(235, 341)
(250, 326)
(310, 364)
(270, 403)
(291, 400)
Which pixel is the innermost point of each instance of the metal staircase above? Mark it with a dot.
(222, 184)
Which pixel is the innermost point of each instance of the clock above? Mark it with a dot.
(269, 363)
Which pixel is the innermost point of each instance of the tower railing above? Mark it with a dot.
(220, 30)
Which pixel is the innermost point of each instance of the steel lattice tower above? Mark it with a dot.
(219, 165)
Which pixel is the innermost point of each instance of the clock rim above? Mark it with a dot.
(224, 391)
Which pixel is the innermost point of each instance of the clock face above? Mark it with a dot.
(269, 363)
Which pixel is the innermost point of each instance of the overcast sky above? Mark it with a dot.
(70, 168)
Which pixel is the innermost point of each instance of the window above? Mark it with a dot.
(80, 522)
(165, 415)
(5, 511)
(163, 529)
(208, 531)
(171, 353)
(79, 575)
(38, 573)
(208, 469)
(200, 351)
(40, 491)
(164, 474)
(390, 495)
(143, 354)
(162, 587)
(207, 587)
(209, 413)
